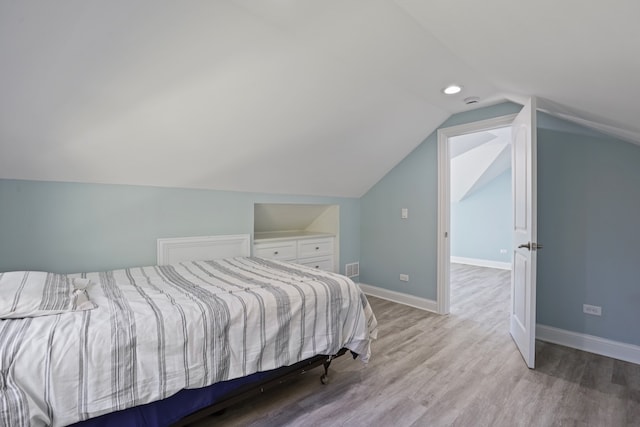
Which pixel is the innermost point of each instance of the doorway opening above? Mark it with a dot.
(480, 224)
(475, 209)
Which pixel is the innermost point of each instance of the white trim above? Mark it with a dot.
(472, 127)
(444, 217)
(589, 343)
(399, 297)
(444, 200)
(481, 262)
(178, 249)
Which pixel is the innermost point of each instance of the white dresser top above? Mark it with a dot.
(287, 235)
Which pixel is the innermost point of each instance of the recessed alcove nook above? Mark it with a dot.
(304, 233)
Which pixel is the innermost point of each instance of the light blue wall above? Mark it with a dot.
(481, 222)
(390, 245)
(589, 223)
(68, 227)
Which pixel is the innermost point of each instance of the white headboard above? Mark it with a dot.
(178, 249)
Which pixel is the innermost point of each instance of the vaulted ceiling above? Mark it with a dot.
(317, 97)
(477, 159)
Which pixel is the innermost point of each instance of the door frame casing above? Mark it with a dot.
(444, 200)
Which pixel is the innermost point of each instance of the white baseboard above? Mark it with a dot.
(589, 343)
(401, 298)
(481, 262)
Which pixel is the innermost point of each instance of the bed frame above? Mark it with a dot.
(280, 376)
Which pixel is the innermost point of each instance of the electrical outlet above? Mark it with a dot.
(404, 277)
(404, 213)
(592, 309)
(503, 251)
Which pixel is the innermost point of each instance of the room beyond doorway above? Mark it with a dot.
(474, 163)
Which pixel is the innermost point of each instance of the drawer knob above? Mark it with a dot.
(317, 248)
(275, 253)
(317, 266)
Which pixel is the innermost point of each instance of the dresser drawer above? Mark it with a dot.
(322, 263)
(285, 251)
(315, 247)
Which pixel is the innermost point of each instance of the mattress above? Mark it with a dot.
(156, 330)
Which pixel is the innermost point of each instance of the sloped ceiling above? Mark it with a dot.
(283, 96)
(285, 217)
(477, 159)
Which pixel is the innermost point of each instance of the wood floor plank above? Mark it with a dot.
(462, 369)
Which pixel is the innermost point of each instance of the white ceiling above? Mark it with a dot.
(317, 97)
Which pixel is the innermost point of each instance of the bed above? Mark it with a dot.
(150, 345)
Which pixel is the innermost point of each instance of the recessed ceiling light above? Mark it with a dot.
(452, 89)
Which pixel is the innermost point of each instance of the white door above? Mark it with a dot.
(523, 274)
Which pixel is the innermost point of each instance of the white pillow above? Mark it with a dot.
(36, 293)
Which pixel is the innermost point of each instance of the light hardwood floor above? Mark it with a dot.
(462, 369)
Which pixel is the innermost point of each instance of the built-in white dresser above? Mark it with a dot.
(303, 247)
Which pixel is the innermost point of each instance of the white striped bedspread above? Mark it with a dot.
(157, 330)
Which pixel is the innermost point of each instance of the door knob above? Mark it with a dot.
(531, 246)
